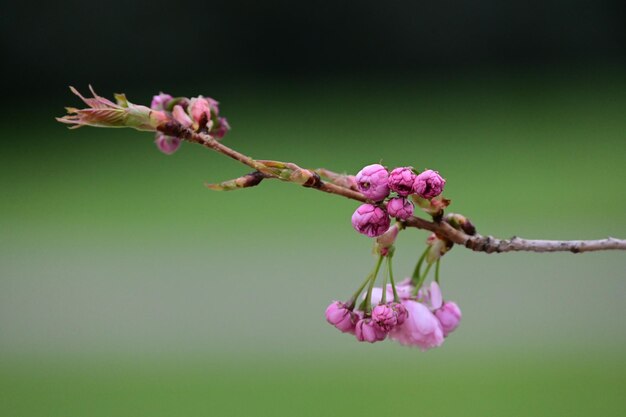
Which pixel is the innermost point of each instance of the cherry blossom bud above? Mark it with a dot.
(167, 144)
(384, 316)
(181, 116)
(428, 184)
(401, 181)
(449, 316)
(367, 330)
(200, 112)
(221, 128)
(372, 182)
(370, 220)
(340, 316)
(160, 101)
(400, 208)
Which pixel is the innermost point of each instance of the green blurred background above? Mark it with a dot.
(128, 289)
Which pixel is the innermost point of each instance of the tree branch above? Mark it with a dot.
(340, 185)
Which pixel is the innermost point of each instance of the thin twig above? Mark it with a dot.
(476, 242)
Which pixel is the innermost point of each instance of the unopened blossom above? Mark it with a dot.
(220, 129)
(429, 184)
(421, 328)
(160, 101)
(367, 330)
(384, 316)
(179, 114)
(372, 182)
(401, 180)
(200, 111)
(400, 208)
(167, 144)
(338, 314)
(370, 220)
(449, 316)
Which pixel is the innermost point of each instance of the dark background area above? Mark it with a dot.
(144, 44)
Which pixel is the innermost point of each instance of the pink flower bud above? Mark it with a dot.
(384, 316)
(372, 182)
(428, 184)
(401, 181)
(400, 208)
(221, 128)
(200, 112)
(368, 331)
(370, 220)
(421, 328)
(167, 144)
(181, 117)
(449, 316)
(340, 316)
(160, 102)
(401, 312)
(214, 105)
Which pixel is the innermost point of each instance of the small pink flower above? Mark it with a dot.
(384, 316)
(181, 116)
(372, 182)
(428, 184)
(400, 208)
(167, 144)
(401, 181)
(449, 316)
(370, 220)
(368, 331)
(340, 316)
(421, 327)
(160, 101)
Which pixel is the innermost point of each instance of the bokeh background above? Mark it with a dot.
(128, 289)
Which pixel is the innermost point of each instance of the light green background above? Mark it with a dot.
(128, 289)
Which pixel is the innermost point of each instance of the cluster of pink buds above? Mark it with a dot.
(376, 184)
(372, 327)
(415, 318)
(200, 114)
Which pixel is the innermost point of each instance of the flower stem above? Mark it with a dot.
(396, 298)
(437, 270)
(368, 297)
(384, 295)
(417, 272)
